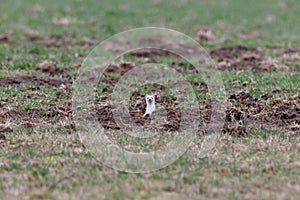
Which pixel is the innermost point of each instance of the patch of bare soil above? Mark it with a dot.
(5, 37)
(205, 34)
(244, 110)
(237, 57)
(138, 108)
(49, 67)
(233, 52)
(104, 110)
(283, 50)
(54, 114)
(240, 57)
(86, 42)
(18, 80)
(151, 53)
(2, 139)
(117, 71)
(105, 116)
(61, 41)
(2, 136)
(51, 42)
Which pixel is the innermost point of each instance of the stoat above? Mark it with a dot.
(150, 101)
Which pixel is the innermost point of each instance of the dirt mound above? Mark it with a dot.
(246, 111)
(150, 53)
(2, 136)
(49, 67)
(6, 37)
(35, 117)
(105, 116)
(240, 57)
(51, 42)
(18, 80)
(232, 52)
(205, 34)
(237, 57)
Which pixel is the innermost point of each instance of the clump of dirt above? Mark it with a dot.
(2, 136)
(5, 37)
(18, 80)
(285, 112)
(236, 113)
(271, 63)
(49, 67)
(235, 122)
(86, 42)
(184, 68)
(205, 34)
(2, 139)
(105, 115)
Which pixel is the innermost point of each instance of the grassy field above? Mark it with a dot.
(256, 47)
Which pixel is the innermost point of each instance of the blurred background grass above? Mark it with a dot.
(276, 20)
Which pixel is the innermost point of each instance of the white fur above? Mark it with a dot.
(150, 101)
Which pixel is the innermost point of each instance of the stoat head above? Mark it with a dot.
(150, 99)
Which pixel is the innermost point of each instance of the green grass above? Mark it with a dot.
(45, 159)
